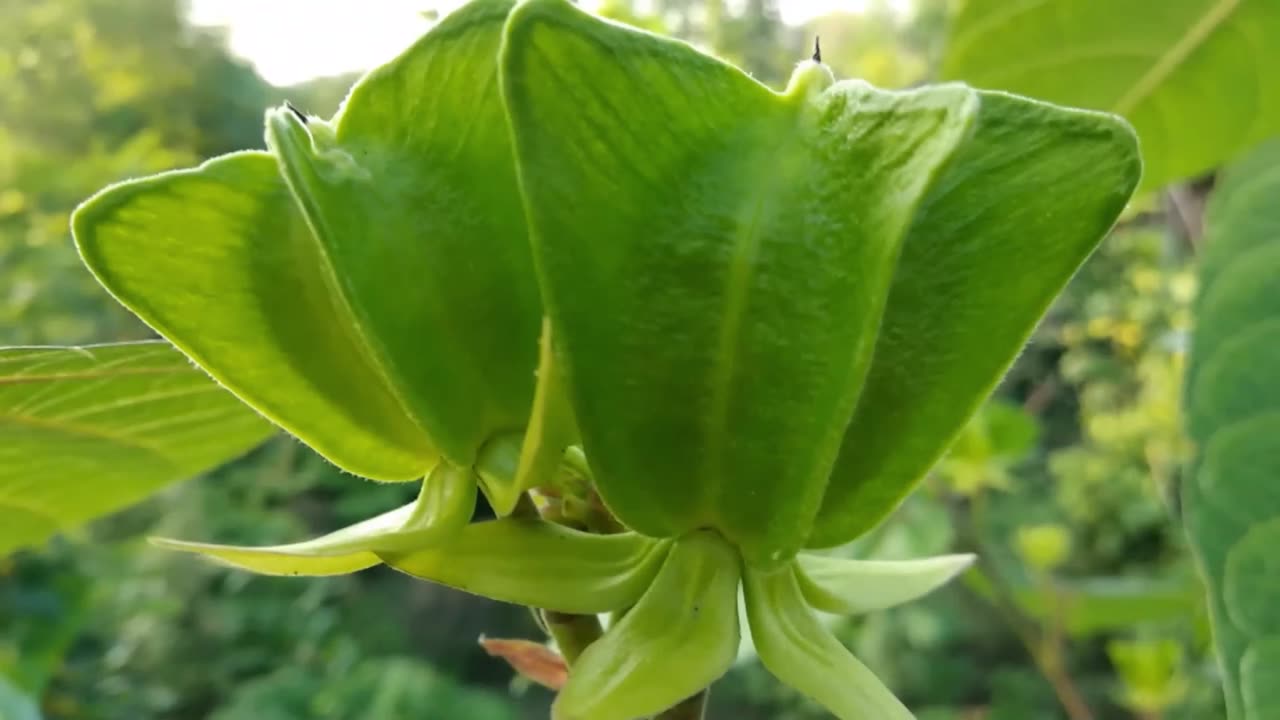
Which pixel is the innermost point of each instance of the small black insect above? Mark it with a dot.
(817, 48)
(294, 109)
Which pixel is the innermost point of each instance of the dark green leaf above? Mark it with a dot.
(1231, 494)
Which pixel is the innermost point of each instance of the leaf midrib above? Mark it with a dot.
(1173, 58)
(746, 248)
(1165, 64)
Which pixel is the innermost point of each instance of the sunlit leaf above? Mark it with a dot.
(86, 431)
(1193, 76)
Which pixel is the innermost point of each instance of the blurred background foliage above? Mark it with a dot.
(1085, 605)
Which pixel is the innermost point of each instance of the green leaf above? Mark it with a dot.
(1027, 198)
(443, 508)
(1192, 77)
(696, 234)
(87, 431)
(412, 195)
(846, 587)
(796, 648)
(218, 260)
(539, 564)
(1231, 501)
(14, 705)
(679, 638)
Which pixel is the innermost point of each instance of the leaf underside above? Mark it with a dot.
(1194, 78)
(86, 431)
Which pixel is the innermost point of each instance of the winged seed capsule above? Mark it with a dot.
(763, 316)
(747, 288)
(333, 284)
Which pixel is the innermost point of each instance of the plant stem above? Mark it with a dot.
(692, 708)
(572, 633)
(1044, 647)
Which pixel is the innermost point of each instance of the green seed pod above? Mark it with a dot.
(741, 283)
(368, 285)
(714, 257)
(736, 276)
(987, 252)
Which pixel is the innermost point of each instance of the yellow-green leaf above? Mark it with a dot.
(86, 431)
(1195, 77)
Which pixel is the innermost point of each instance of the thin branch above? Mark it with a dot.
(572, 633)
(1044, 647)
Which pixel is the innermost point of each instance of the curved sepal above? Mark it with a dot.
(678, 639)
(411, 192)
(444, 507)
(1028, 196)
(848, 587)
(539, 564)
(219, 261)
(695, 236)
(800, 652)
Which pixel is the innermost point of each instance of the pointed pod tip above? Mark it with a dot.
(809, 79)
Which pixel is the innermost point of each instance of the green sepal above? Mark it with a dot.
(847, 587)
(443, 507)
(539, 564)
(799, 651)
(412, 196)
(679, 638)
(1028, 196)
(695, 235)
